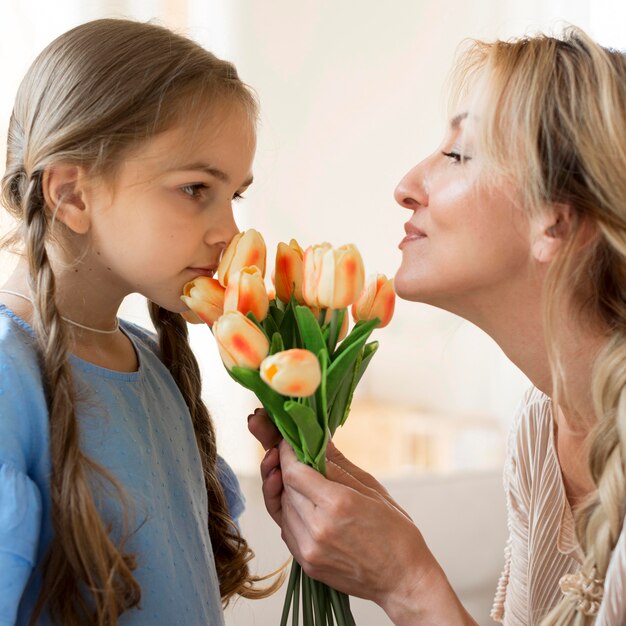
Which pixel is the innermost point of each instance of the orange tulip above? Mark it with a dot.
(377, 299)
(289, 271)
(294, 373)
(245, 249)
(240, 341)
(246, 292)
(205, 297)
(191, 318)
(333, 278)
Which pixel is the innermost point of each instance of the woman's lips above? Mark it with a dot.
(412, 234)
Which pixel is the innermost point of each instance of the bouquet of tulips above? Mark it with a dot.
(292, 348)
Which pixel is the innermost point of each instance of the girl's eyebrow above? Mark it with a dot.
(455, 122)
(213, 171)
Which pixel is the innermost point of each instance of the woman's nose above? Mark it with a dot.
(411, 190)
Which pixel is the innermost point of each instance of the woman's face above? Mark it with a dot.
(467, 239)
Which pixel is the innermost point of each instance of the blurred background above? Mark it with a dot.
(352, 95)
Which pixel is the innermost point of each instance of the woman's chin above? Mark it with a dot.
(407, 287)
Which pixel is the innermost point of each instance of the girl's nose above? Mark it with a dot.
(411, 191)
(224, 232)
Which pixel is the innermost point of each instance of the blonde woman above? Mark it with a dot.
(128, 145)
(517, 223)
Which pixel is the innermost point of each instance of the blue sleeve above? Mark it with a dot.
(23, 452)
(20, 519)
(232, 490)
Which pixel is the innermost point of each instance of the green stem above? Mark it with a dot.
(329, 607)
(338, 608)
(307, 609)
(296, 595)
(289, 594)
(318, 603)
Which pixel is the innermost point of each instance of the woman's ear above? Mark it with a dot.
(550, 232)
(64, 191)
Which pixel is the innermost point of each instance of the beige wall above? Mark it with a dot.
(352, 95)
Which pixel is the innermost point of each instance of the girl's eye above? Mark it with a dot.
(457, 157)
(238, 196)
(195, 190)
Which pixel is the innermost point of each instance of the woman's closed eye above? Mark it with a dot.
(457, 157)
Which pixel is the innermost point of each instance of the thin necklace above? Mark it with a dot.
(65, 319)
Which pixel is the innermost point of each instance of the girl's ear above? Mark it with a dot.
(550, 231)
(64, 191)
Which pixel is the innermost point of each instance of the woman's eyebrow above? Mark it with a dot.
(455, 122)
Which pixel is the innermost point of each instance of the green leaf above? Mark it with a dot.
(277, 310)
(311, 433)
(342, 367)
(336, 321)
(273, 404)
(340, 404)
(277, 343)
(312, 338)
(359, 369)
(270, 326)
(288, 327)
(360, 329)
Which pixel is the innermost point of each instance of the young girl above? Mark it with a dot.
(518, 224)
(127, 146)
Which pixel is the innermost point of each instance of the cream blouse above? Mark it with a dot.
(542, 545)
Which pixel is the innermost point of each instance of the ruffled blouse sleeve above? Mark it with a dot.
(20, 521)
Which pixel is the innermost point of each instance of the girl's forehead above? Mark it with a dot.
(198, 133)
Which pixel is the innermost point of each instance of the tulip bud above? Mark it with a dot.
(289, 271)
(245, 249)
(312, 262)
(246, 292)
(333, 278)
(240, 341)
(295, 373)
(205, 297)
(377, 299)
(191, 318)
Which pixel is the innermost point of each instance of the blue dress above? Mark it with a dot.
(138, 427)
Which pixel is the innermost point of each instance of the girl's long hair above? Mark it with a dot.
(555, 125)
(94, 93)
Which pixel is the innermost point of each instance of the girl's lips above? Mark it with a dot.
(203, 271)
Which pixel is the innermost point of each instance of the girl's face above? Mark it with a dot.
(169, 214)
(467, 239)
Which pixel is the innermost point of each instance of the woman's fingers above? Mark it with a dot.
(260, 425)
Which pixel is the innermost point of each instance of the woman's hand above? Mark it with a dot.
(348, 532)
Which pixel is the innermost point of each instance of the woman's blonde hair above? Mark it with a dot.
(93, 94)
(555, 125)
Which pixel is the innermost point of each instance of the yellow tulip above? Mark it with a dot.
(240, 341)
(295, 373)
(333, 278)
(377, 299)
(205, 297)
(289, 271)
(245, 249)
(246, 292)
